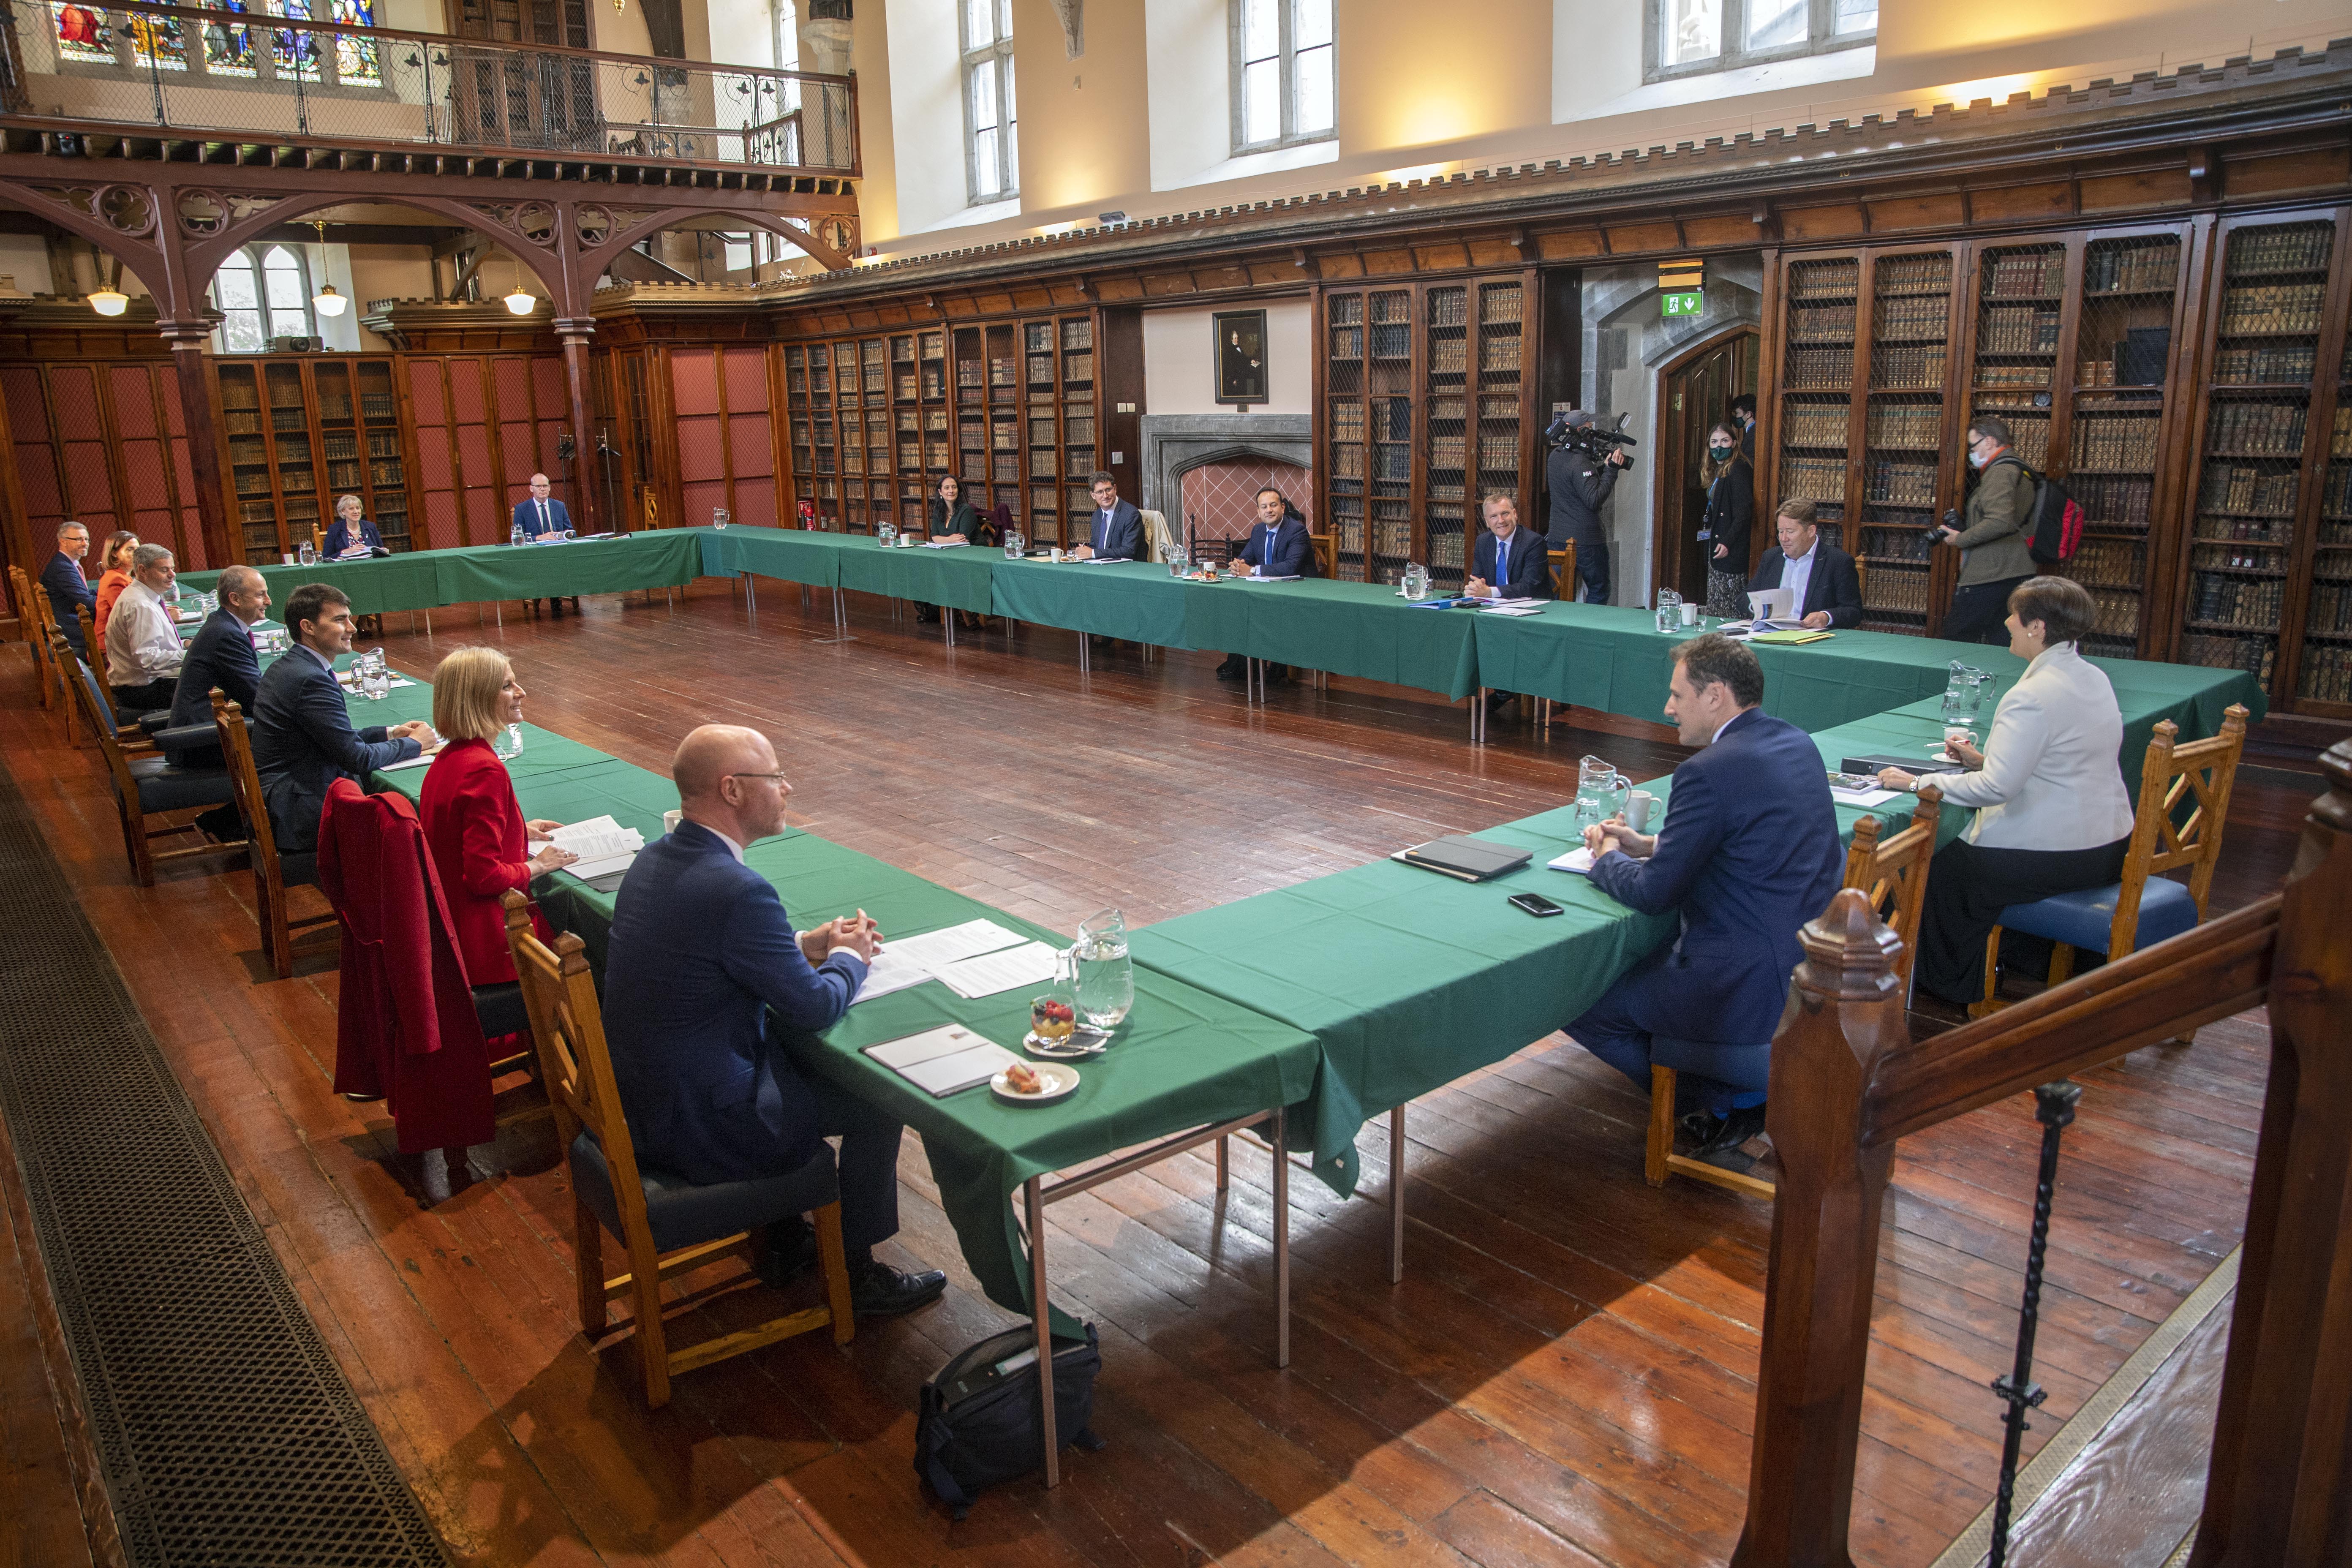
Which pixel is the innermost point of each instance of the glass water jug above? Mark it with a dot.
(1106, 979)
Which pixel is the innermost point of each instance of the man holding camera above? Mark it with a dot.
(1579, 482)
(1995, 556)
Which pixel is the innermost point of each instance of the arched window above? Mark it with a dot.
(265, 292)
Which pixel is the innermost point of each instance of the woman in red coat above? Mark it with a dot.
(481, 846)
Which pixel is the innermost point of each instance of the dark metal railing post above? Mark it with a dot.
(2054, 1107)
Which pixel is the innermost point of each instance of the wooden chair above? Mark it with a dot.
(273, 873)
(2147, 907)
(41, 632)
(1862, 581)
(667, 1226)
(16, 624)
(1326, 554)
(1893, 877)
(148, 786)
(1563, 570)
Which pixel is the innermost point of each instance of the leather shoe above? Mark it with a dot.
(1231, 670)
(1736, 1127)
(879, 1290)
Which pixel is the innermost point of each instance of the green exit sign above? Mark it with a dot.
(1692, 303)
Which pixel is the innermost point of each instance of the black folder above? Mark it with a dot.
(1471, 860)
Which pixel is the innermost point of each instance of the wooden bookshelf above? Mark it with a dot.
(300, 431)
(2269, 573)
(1426, 394)
(1008, 406)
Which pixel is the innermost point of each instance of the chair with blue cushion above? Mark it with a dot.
(667, 1224)
(1895, 876)
(149, 785)
(2147, 907)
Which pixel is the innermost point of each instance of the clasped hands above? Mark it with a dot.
(858, 933)
(1618, 834)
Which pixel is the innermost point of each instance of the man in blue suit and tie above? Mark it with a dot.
(1277, 547)
(1509, 563)
(1747, 854)
(705, 979)
(68, 589)
(302, 735)
(542, 516)
(1115, 531)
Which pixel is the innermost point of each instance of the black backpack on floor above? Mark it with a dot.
(977, 1422)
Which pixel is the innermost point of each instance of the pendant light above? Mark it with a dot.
(109, 300)
(325, 301)
(522, 301)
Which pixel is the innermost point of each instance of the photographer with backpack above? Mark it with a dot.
(1995, 554)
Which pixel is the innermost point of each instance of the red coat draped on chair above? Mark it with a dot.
(405, 1026)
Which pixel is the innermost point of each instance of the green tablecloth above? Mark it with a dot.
(1361, 630)
(789, 555)
(429, 579)
(1184, 1058)
(1133, 599)
(959, 578)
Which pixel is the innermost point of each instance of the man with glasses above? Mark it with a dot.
(1995, 556)
(701, 955)
(68, 589)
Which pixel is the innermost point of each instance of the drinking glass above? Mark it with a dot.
(1670, 611)
(1178, 564)
(1013, 545)
(887, 534)
(304, 554)
(507, 744)
(1416, 582)
(1106, 980)
(719, 517)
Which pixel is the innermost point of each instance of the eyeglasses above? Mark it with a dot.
(778, 777)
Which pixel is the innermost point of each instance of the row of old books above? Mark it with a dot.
(2257, 429)
(2110, 442)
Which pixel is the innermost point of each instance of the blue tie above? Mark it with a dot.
(1502, 565)
(1102, 532)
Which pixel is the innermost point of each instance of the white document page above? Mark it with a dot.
(947, 544)
(1863, 796)
(603, 845)
(1031, 964)
(1579, 860)
(1511, 606)
(912, 960)
(426, 760)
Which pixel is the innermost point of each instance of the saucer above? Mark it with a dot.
(1084, 1043)
(1059, 1083)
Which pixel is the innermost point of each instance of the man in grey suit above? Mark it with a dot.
(1115, 533)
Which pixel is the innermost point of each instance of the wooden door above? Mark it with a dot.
(1694, 393)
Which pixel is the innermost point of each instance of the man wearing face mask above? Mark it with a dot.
(1994, 556)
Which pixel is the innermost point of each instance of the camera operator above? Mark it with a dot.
(1579, 482)
(1743, 414)
(1994, 554)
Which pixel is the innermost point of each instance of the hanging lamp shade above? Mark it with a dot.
(109, 301)
(522, 301)
(327, 303)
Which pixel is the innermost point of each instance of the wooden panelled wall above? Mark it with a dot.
(105, 442)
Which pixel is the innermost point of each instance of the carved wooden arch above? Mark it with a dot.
(206, 256)
(597, 258)
(141, 253)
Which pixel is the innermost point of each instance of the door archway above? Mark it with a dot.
(1695, 390)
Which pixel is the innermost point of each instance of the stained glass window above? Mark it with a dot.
(83, 34)
(160, 42)
(355, 58)
(228, 51)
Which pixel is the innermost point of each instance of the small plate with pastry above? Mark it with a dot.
(1034, 1083)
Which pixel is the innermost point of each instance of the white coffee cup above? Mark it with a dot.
(1637, 810)
(289, 558)
(1689, 613)
(670, 819)
(1057, 553)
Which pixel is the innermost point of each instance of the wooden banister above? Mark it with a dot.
(1847, 1083)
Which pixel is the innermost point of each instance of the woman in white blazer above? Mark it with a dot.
(2052, 813)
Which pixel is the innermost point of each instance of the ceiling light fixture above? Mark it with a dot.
(107, 299)
(522, 301)
(325, 301)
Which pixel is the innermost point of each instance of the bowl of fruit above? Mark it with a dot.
(1053, 1019)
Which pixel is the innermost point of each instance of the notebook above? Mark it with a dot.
(1471, 860)
(943, 1061)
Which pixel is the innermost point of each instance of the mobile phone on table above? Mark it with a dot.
(1535, 904)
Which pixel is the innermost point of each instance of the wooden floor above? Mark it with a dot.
(1566, 1375)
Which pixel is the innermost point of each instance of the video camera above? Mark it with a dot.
(1593, 440)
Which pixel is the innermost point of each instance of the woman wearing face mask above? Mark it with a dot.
(1994, 557)
(1730, 508)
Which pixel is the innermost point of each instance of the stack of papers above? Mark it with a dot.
(1793, 635)
(1254, 577)
(912, 960)
(603, 845)
(1511, 606)
(943, 1061)
(1872, 796)
(1579, 860)
(946, 543)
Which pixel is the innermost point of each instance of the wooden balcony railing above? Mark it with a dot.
(191, 72)
(1847, 1083)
